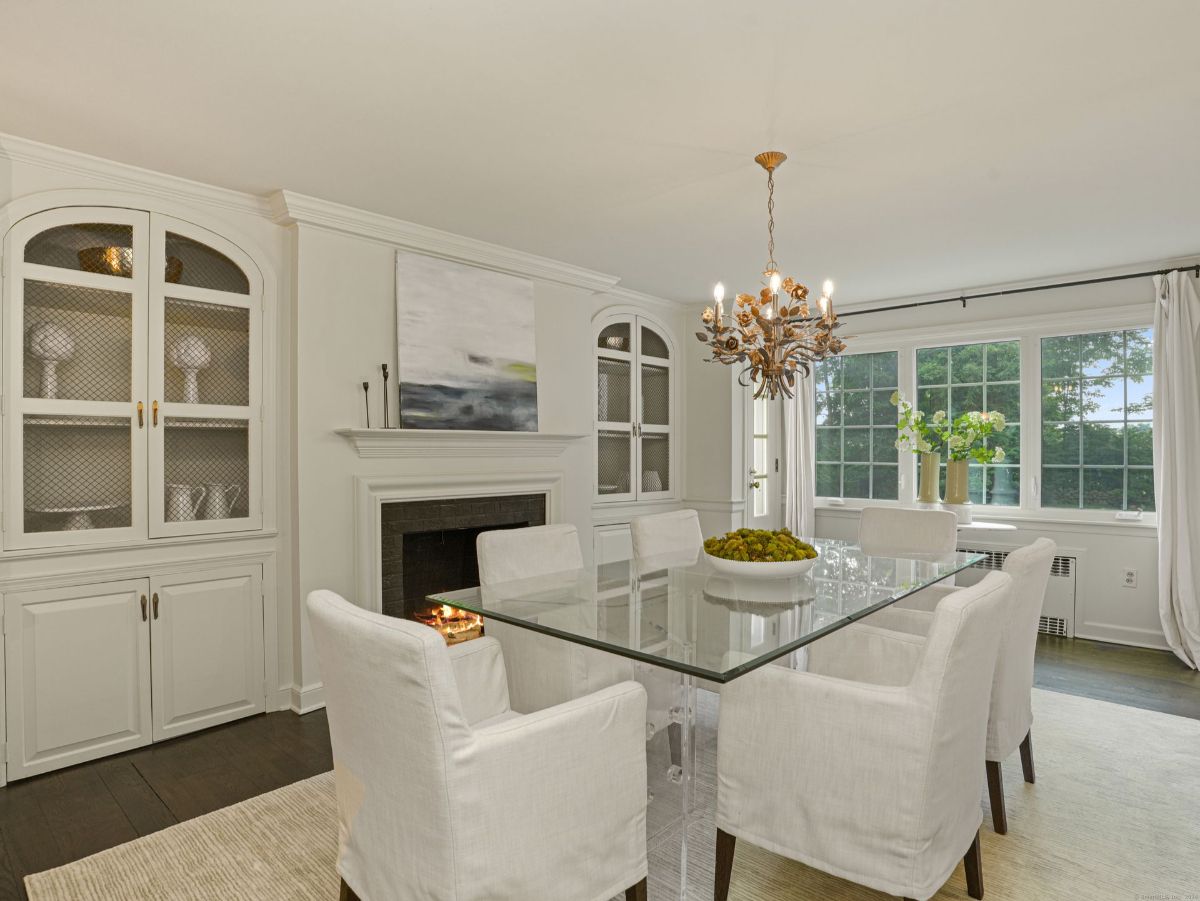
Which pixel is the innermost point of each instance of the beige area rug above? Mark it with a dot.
(1115, 815)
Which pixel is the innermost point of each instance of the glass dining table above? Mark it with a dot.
(688, 624)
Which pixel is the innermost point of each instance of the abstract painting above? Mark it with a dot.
(465, 343)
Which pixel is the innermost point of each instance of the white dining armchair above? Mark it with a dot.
(902, 532)
(544, 670)
(1010, 713)
(662, 540)
(445, 794)
(875, 780)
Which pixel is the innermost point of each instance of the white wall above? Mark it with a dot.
(1105, 610)
(345, 327)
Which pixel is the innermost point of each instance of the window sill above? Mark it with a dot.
(852, 508)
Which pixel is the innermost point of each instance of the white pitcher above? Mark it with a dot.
(221, 499)
(180, 504)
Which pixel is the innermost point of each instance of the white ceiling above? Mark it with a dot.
(932, 145)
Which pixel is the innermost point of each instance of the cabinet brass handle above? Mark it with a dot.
(156, 605)
(143, 608)
(141, 414)
(154, 413)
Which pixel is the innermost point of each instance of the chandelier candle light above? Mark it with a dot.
(775, 339)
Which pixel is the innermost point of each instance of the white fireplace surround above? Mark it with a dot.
(372, 492)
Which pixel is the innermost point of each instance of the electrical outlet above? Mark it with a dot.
(1130, 578)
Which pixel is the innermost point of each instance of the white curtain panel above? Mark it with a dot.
(799, 459)
(1176, 476)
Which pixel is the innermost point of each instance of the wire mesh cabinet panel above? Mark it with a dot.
(132, 376)
(76, 293)
(205, 384)
(634, 410)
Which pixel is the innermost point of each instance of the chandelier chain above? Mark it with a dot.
(771, 265)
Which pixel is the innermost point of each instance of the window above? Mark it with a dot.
(987, 377)
(1096, 421)
(856, 426)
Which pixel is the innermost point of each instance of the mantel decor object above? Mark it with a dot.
(367, 401)
(190, 354)
(50, 344)
(385, 396)
(774, 339)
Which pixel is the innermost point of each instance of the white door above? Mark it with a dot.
(205, 383)
(77, 667)
(207, 631)
(762, 453)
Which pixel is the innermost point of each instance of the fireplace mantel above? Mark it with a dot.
(455, 443)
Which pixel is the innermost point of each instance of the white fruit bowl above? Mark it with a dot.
(784, 569)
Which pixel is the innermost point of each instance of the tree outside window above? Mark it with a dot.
(1097, 407)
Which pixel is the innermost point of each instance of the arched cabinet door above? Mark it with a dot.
(132, 380)
(635, 409)
(205, 376)
(76, 293)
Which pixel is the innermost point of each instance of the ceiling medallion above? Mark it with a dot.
(775, 340)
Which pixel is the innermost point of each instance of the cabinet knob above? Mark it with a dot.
(156, 605)
(143, 608)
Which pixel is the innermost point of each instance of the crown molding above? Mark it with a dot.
(122, 175)
(641, 299)
(290, 208)
(1187, 261)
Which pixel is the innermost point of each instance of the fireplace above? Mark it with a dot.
(427, 546)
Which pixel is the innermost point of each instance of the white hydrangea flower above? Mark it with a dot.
(939, 417)
(956, 441)
(924, 446)
(999, 456)
(895, 398)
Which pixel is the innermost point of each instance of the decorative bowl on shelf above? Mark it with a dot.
(107, 260)
(760, 554)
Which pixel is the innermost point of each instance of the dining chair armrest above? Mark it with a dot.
(564, 787)
(800, 752)
(901, 619)
(863, 652)
(478, 667)
(926, 599)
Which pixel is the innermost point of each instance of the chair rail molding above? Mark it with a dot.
(290, 208)
(442, 443)
(372, 492)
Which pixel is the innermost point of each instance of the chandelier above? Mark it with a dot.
(773, 335)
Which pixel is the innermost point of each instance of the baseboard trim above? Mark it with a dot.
(1127, 635)
(308, 698)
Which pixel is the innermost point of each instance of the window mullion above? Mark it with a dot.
(906, 372)
(1031, 424)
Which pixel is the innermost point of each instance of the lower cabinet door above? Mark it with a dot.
(206, 627)
(77, 664)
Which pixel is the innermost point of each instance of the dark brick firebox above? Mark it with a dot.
(429, 546)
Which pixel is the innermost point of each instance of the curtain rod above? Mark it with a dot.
(963, 298)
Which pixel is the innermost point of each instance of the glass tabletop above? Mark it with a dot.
(686, 615)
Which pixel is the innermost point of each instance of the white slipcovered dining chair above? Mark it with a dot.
(662, 540)
(1010, 713)
(445, 794)
(901, 532)
(543, 670)
(873, 778)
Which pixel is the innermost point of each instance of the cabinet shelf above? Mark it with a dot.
(81, 422)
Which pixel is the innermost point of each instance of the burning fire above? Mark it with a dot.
(454, 624)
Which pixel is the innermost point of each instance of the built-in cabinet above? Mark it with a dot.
(635, 410)
(133, 420)
(95, 669)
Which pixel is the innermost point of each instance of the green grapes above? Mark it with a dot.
(759, 546)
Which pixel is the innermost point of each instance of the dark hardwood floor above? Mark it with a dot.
(1136, 677)
(50, 820)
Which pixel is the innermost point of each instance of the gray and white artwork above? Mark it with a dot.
(465, 344)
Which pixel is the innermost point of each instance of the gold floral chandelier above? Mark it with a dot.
(775, 339)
